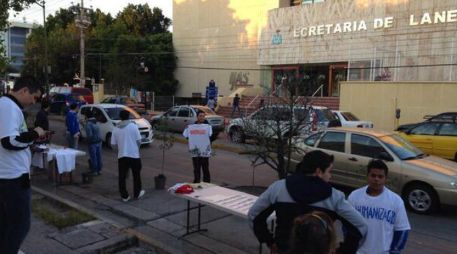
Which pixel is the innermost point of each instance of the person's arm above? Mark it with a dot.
(259, 213)
(401, 229)
(11, 138)
(113, 139)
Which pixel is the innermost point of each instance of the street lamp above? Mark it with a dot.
(46, 79)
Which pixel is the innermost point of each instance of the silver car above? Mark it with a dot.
(424, 181)
(178, 117)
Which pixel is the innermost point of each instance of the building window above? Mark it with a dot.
(301, 2)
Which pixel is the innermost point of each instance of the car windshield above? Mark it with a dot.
(348, 116)
(325, 115)
(402, 148)
(207, 111)
(113, 113)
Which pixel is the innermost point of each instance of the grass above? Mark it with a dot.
(58, 214)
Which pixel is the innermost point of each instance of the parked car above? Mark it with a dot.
(178, 117)
(107, 116)
(59, 103)
(315, 118)
(424, 181)
(75, 91)
(348, 119)
(447, 116)
(127, 101)
(437, 137)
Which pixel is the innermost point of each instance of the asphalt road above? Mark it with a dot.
(430, 234)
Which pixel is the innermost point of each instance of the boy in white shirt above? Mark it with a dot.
(126, 136)
(384, 212)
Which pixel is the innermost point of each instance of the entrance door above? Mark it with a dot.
(337, 73)
(281, 77)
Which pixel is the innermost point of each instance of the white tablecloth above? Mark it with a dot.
(65, 158)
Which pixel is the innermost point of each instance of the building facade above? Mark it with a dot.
(262, 43)
(14, 39)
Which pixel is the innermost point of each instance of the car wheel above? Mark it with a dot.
(236, 135)
(108, 141)
(421, 198)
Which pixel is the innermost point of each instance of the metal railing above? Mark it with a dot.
(249, 104)
(321, 88)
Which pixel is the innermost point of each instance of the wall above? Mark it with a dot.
(398, 43)
(218, 39)
(377, 101)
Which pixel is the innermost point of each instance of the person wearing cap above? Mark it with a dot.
(72, 124)
(305, 191)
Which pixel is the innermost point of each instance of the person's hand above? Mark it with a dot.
(77, 134)
(40, 131)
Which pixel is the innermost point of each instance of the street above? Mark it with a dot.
(430, 234)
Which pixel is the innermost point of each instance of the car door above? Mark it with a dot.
(169, 118)
(423, 136)
(183, 118)
(334, 142)
(445, 143)
(363, 149)
(103, 123)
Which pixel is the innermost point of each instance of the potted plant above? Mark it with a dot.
(166, 140)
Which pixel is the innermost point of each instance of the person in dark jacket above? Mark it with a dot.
(41, 120)
(305, 191)
(94, 140)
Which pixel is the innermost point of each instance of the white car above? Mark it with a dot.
(348, 119)
(107, 116)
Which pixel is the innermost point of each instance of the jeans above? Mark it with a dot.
(72, 141)
(124, 164)
(203, 164)
(14, 213)
(95, 153)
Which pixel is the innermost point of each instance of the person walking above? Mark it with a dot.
(199, 138)
(236, 105)
(305, 191)
(384, 212)
(72, 124)
(127, 139)
(15, 162)
(94, 140)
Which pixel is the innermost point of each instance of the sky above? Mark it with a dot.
(34, 14)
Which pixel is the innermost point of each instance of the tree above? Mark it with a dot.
(276, 128)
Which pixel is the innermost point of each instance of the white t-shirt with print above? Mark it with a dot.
(12, 123)
(199, 139)
(126, 140)
(384, 214)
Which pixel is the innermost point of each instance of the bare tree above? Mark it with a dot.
(276, 127)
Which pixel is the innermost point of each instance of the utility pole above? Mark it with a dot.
(82, 22)
(46, 78)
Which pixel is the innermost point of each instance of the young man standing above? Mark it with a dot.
(236, 105)
(15, 160)
(384, 212)
(307, 190)
(198, 136)
(72, 124)
(127, 138)
(94, 141)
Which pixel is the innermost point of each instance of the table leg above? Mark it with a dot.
(188, 226)
(188, 218)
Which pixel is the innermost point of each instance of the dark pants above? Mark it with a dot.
(14, 213)
(124, 164)
(95, 153)
(203, 164)
(234, 108)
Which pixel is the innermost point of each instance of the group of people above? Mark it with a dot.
(373, 217)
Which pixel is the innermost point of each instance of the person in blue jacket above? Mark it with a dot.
(72, 124)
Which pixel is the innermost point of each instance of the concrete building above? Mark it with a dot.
(260, 43)
(14, 39)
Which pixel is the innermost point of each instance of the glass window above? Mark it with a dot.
(311, 140)
(333, 141)
(401, 147)
(99, 116)
(448, 129)
(348, 116)
(113, 113)
(365, 146)
(207, 110)
(173, 112)
(183, 112)
(425, 129)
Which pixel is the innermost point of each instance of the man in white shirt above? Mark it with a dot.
(15, 160)
(127, 138)
(198, 135)
(384, 212)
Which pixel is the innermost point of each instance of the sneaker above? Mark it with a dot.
(126, 199)
(142, 192)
